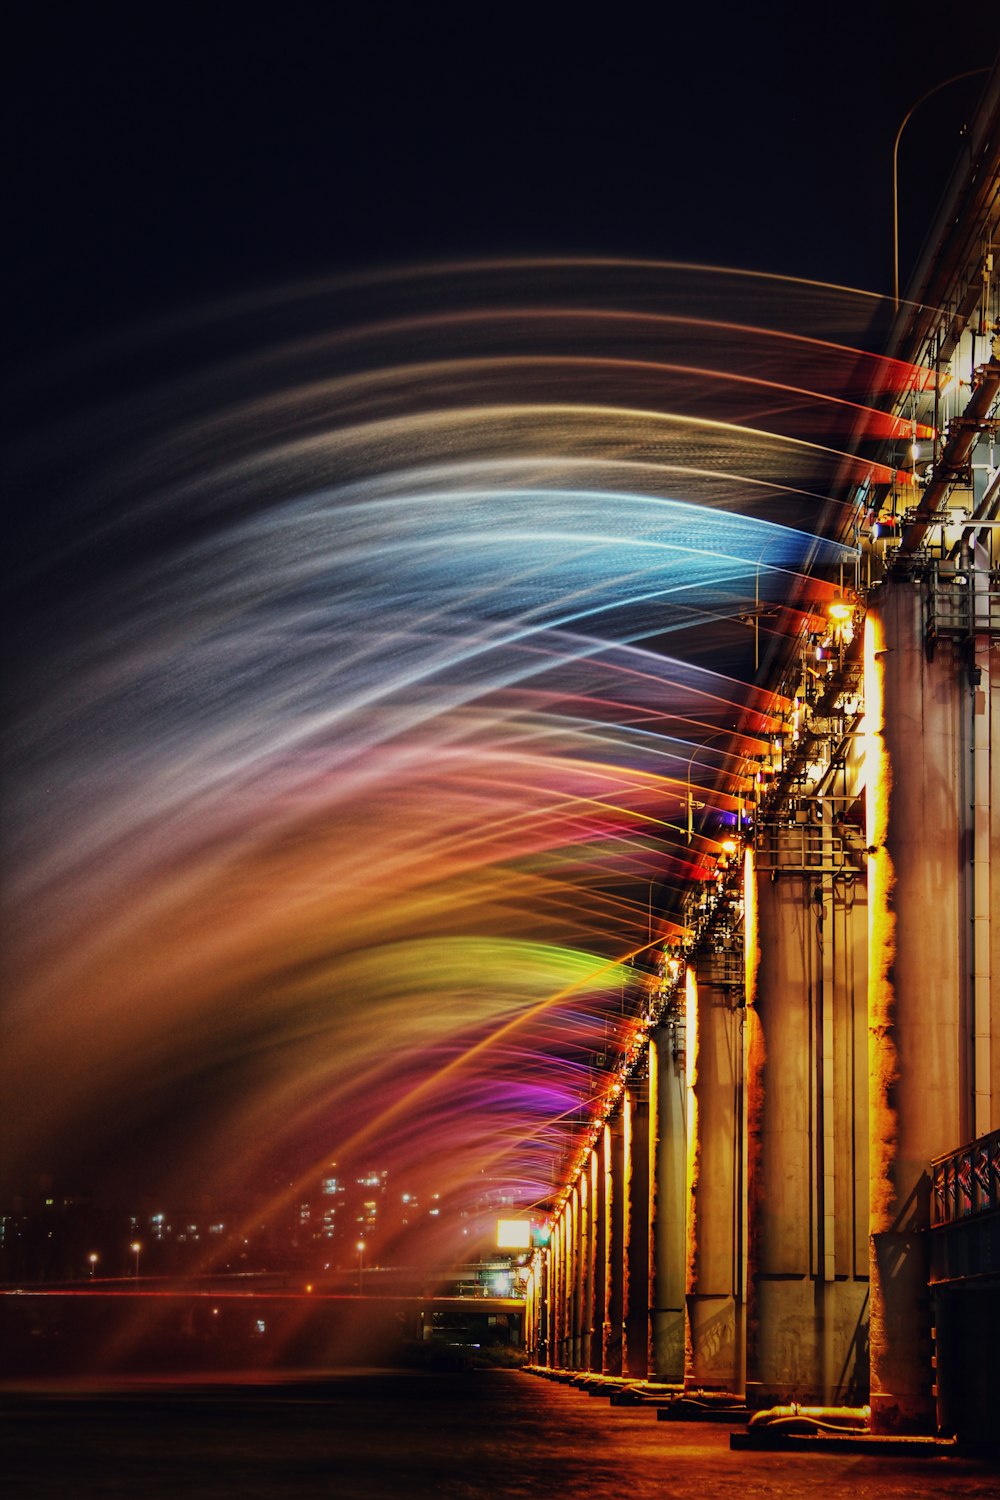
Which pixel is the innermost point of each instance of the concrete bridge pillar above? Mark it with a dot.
(598, 1258)
(557, 1257)
(635, 1231)
(535, 1313)
(584, 1273)
(933, 784)
(572, 1277)
(565, 1339)
(549, 1301)
(614, 1199)
(716, 1219)
(668, 1195)
(572, 1213)
(806, 931)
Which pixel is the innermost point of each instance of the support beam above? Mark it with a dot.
(668, 1194)
(573, 1279)
(614, 1197)
(635, 1232)
(558, 1255)
(549, 1323)
(920, 1044)
(715, 1328)
(585, 1274)
(598, 1255)
(807, 1118)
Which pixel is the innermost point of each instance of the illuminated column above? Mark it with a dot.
(807, 1091)
(538, 1309)
(598, 1254)
(535, 1310)
(555, 1284)
(549, 1324)
(635, 1232)
(986, 920)
(566, 1342)
(573, 1270)
(926, 1059)
(581, 1326)
(714, 1353)
(559, 1250)
(565, 1284)
(668, 1196)
(614, 1182)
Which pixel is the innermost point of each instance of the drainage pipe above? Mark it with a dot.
(814, 1418)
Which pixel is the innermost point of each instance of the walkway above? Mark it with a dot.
(385, 1436)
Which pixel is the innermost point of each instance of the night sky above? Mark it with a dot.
(166, 157)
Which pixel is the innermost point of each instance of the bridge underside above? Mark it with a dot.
(797, 1195)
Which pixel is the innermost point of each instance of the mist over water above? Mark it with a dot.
(367, 640)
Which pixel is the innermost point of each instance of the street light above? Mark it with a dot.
(135, 1247)
(895, 171)
(92, 1260)
(717, 734)
(360, 1247)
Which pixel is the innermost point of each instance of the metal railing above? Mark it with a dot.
(966, 1182)
(962, 604)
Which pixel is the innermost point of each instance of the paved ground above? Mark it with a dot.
(486, 1435)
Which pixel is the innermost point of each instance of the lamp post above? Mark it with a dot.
(957, 78)
(718, 734)
(135, 1248)
(360, 1247)
(92, 1260)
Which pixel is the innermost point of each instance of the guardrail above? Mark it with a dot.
(966, 1182)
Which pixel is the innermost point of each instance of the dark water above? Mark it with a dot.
(482, 1435)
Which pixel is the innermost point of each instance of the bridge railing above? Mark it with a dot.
(967, 1181)
(962, 603)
